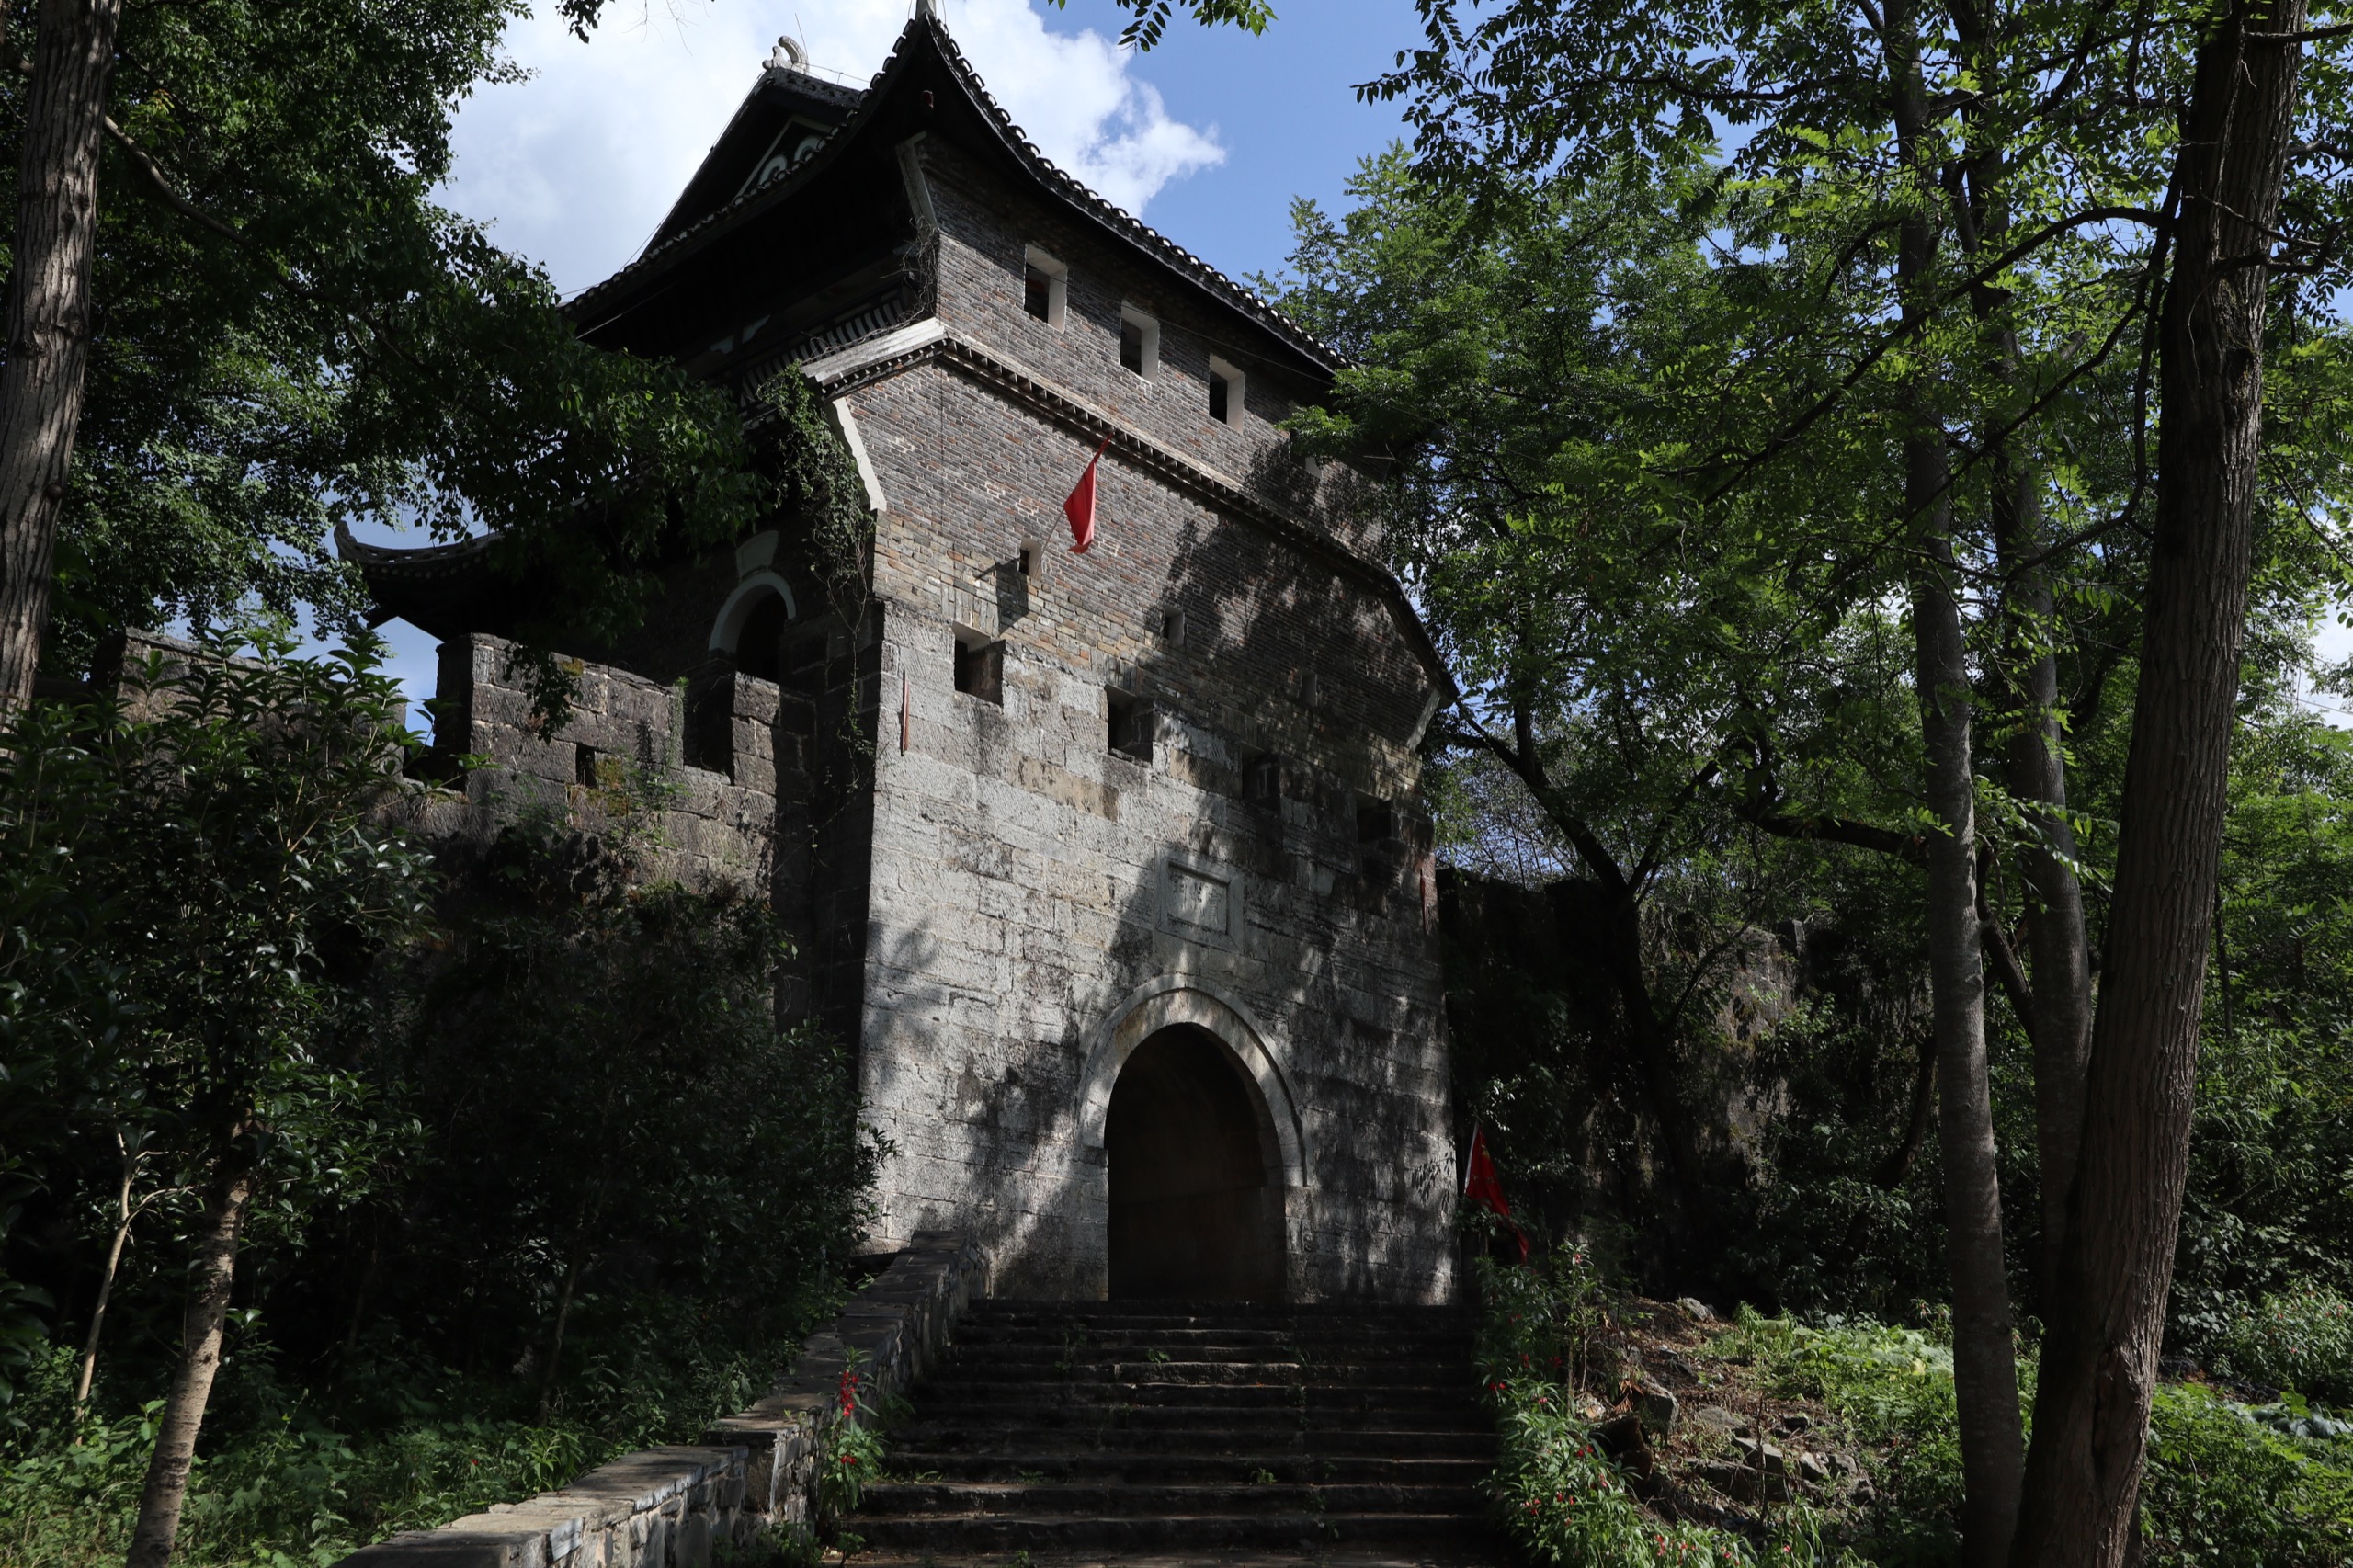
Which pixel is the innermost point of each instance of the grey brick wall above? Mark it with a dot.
(998, 906)
(1032, 891)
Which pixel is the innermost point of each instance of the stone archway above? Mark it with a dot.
(751, 624)
(1219, 1029)
(1196, 1201)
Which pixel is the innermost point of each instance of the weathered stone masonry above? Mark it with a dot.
(1179, 800)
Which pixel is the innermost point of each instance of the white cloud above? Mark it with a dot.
(575, 166)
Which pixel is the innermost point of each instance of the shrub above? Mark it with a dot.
(295, 1492)
(2224, 1491)
(1566, 1502)
(2301, 1338)
(1893, 1386)
(1563, 1499)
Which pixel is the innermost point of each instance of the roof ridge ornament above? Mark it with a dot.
(789, 55)
(926, 10)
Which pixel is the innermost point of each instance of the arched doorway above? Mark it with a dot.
(1196, 1199)
(752, 625)
(759, 647)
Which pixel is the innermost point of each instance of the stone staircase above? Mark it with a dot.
(1166, 1431)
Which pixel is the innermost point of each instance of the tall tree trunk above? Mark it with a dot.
(2060, 1017)
(48, 315)
(214, 1271)
(1985, 1357)
(2107, 1322)
(2057, 1011)
(124, 1213)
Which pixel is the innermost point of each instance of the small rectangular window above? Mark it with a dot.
(980, 668)
(1172, 628)
(1045, 286)
(583, 766)
(1262, 779)
(1376, 822)
(1139, 342)
(1226, 392)
(1131, 726)
(1311, 690)
(1031, 556)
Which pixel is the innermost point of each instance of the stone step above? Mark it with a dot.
(1451, 1552)
(1134, 1534)
(1085, 1369)
(1156, 1466)
(1174, 1432)
(1018, 1401)
(1217, 1311)
(1433, 1351)
(1236, 1338)
(980, 1437)
(968, 1498)
(1312, 1330)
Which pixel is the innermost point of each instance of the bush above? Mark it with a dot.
(1563, 1499)
(1893, 1386)
(621, 1194)
(2299, 1338)
(295, 1491)
(2224, 1491)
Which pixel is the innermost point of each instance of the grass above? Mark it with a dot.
(295, 1490)
(298, 1496)
(1862, 1413)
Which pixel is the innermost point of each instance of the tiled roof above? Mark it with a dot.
(1123, 224)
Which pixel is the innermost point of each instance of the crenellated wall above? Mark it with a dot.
(703, 814)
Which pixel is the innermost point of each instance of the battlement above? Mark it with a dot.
(616, 769)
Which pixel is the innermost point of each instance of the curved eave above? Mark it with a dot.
(1115, 223)
(444, 590)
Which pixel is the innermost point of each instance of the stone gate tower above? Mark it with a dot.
(1110, 866)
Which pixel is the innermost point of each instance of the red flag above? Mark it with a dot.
(1482, 1186)
(1080, 507)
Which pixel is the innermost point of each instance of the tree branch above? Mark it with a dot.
(160, 187)
(2000, 955)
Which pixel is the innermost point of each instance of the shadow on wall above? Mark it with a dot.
(1295, 881)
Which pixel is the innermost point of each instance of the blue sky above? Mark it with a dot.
(1207, 137)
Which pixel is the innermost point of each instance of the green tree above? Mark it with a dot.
(1536, 370)
(244, 885)
(1949, 154)
(283, 333)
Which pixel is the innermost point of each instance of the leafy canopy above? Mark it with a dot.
(293, 336)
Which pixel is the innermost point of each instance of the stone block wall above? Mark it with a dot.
(616, 768)
(682, 1506)
(987, 228)
(1038, 898)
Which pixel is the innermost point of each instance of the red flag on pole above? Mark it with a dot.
(1482, 1186)
(1080, 507)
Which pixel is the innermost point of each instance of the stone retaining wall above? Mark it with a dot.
(673, 1507)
